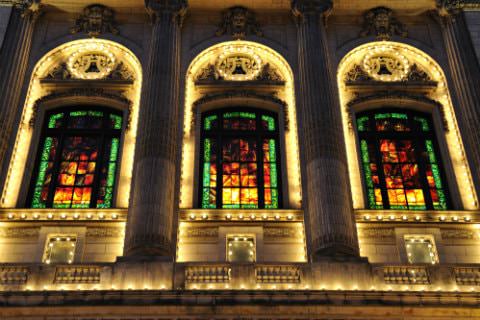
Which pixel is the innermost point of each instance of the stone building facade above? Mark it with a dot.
(304, 159)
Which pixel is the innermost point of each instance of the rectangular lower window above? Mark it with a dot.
(421, 249)
(60, 249)
(240, 248)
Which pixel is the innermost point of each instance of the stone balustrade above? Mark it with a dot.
(77, 274)
(277, 274)
(467, 276)
(406, 275)
(13, 275)
(207, 274)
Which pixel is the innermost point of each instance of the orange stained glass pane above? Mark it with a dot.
(68, 167)
(213, 169)
(268, 196)
(66, 179)
(249, 196)
(63, 195)
(235, 180)
(82, 167)
(235, 196)
(378, 196)
(415, 196)
(213, 180)
(252, 181)
(227, 180)
(88, 179)
(396, 197)
(91, 167)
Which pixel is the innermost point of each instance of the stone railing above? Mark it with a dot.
(277, 274)
(207, 274)
(13, 275)
(77, 274)
(467, 276)
(406, 275)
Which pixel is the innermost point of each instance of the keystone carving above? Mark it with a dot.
(95, 20)
(239, 22)
(381, 23)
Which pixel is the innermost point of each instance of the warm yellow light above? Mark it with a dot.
(35, 91)
(265, 55)
(410, 55)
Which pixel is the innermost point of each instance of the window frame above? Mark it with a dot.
(374, 135)
(259, 134)
(63, 132)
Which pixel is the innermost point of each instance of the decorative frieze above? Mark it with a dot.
(381, 23)
(382, 234)
(105, 232)
(239, 22)
(466, 276)
(95, 20)
(203, 232)
(77, 274)
(207, 274)
(11, 275)
(280, 232)
(406, 275)
(458, 234)
(277, 274)
(19, 232)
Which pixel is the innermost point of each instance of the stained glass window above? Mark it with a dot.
(400, 161)
(240, 165)
(78, 159)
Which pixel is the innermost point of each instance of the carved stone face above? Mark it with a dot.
(382, 20)
(239, 19)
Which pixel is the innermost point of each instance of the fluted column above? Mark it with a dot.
(14, 55)
(152, 209)
(329, 205)
(465, 72)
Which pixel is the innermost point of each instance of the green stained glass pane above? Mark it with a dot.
(78, 113)
(272, 150)
(274, 204)
(206, 174)
(273, 175)
(270, 122)
(364, 149)
(436, 176)
(116, 120)
(231, 206)
(362, 123)
(246, 115)
(78, 205)
(368, 175)
(52, 122)
(391, 115)
(61, 205)
(399, 207)
(430, 151)
(209, 120)
(95, 113)
(371, 199)
(46, 148)
(423, 122)
(417, 207)
(114, 149)
(111, 174)
(207, 150)
(206, 198)
(442, 199)
(249, 206)
(37, 200)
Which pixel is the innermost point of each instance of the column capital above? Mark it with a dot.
(29, 8)
(301, 8)
(447, 8)
(174, 8)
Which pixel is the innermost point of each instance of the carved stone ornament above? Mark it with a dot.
(91, 64)
(381, 23)
(239, 22)
(386, 65)
(238, 66)
(95, 20)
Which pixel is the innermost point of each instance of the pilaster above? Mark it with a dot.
(465, 72)
(14, 55)
(152, 209)
(329, 205)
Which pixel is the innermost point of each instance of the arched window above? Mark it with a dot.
(400, 160)
(239, 162)
(77, 160)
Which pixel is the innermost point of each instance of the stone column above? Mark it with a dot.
(465, 72)
(329, 205)
(14, 56)
(152, 209)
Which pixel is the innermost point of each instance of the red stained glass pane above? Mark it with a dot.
(397, 197)
(63, 195)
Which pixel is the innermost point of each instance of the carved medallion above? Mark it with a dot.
(386, 65)
(239, 22)
(91, 62)
(381, 23)
(95, 20)
(238, 63)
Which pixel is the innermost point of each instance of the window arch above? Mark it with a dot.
(77, 159)
(240, 166)
(400, 160)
